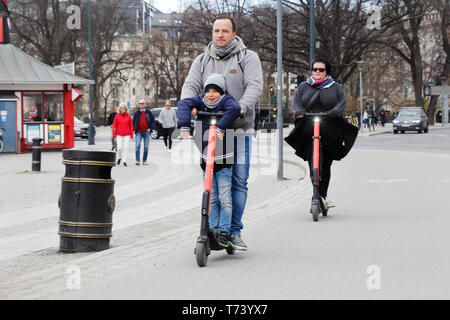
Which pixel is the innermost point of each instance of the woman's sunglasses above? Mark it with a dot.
(318, 69)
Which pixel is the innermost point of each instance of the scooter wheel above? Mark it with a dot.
(230, 249)
(200, 254)
(315, 210)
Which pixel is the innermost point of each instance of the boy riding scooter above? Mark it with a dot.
(211, 106)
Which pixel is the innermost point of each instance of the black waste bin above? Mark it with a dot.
(87, 200)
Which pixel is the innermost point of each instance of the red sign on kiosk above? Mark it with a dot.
(76, 95)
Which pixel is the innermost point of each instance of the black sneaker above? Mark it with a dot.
(223, 239)
(118, 161)
(237, 242)
(125, 164)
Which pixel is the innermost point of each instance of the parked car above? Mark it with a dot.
(157, 131)
(81, 128)
(410, 119)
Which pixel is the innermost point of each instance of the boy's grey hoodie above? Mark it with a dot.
(245, 87)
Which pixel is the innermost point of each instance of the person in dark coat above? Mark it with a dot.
(110, 123)
(320, 93)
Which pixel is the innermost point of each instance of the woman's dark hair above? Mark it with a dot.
(325, 62)
(222, 17)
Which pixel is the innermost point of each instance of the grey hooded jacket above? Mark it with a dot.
(244, 79)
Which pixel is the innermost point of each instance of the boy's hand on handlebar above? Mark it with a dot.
(193, 112)
(185, 134)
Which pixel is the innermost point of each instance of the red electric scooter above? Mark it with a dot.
(317, 205)
(207, 240)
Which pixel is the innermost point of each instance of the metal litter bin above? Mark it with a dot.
(87, 200)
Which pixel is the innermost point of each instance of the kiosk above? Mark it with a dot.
(36, 101)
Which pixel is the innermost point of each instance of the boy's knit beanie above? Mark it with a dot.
(217, 82)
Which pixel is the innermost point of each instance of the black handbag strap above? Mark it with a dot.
(312, 100)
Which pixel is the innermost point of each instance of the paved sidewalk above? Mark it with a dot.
(29, 213)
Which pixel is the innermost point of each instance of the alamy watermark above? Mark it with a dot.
(374, 280)
(374, 20)
(73, 22)
(74, 279)
(263, 151)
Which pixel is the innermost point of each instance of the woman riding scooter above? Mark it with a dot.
(321, 94)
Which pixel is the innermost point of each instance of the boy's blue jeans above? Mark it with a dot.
(139, 136)
(221, 203)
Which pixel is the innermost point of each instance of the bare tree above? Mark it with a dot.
(406, 41)
(171, 53)
(40, 29)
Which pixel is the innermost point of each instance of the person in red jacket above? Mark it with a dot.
(123, 131)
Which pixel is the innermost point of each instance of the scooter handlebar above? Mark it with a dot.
(210, 114)
(315, 114)
(214, 114)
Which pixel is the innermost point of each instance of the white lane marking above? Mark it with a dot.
(387, 181)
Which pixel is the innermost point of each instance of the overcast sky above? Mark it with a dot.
(166, 6)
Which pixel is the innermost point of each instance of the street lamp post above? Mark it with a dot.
(280, 89)
(312, 35)
(360, 95)
(405, 91)
(444, 96)
(91, 140)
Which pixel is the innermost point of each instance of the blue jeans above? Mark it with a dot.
(139, 136)
(241, 169)
(221, 204)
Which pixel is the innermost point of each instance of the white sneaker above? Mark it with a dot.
(328, 203)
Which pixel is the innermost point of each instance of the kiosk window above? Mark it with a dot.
(54, 106)
(32, 107)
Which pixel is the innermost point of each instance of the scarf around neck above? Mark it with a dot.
(321, 84)
(223, 52)
(214, 104)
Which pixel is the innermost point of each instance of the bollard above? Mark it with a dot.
(87, 200)
(36, 154)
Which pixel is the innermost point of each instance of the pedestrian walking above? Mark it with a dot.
(373, 118)
(111, 117)
(143, 123)
(215, 100)
(123, 131)
(366, 119)
(382, 116)
(241, 67)
(168, 120)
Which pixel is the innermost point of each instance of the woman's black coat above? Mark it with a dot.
(337, 137)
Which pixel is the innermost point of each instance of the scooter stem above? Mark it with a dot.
(316, 147)
(210, 157)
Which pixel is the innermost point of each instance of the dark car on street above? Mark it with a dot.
(157, 131)
(81, 128)
(410, 119)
